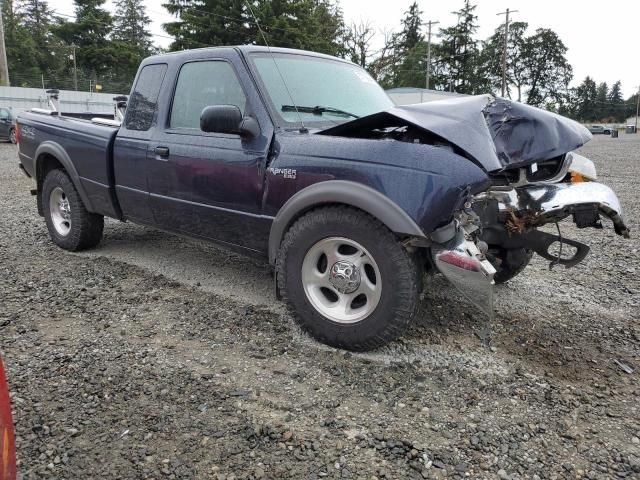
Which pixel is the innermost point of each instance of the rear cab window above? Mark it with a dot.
(143, 102)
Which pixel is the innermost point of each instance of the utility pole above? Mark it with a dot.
(504, 50)
(75, 68)
(429, 23)
(4, 70)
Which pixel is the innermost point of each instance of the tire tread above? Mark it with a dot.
(407, 283)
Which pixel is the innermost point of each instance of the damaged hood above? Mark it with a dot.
(498, 133)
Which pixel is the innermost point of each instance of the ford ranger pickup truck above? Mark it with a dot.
(302, 159)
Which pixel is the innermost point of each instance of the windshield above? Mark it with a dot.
(324, 90)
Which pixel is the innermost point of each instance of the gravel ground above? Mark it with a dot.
(158, 357)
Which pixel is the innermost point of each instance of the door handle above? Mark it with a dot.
(162, 152)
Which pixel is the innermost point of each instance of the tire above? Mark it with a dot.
(69, 223)
(12, 136)
(513, 263)
(389, 276)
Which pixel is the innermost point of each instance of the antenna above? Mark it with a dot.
(303, 129)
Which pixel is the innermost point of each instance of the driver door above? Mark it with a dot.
(206, 184)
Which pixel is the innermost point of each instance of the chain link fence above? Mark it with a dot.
(82, 81)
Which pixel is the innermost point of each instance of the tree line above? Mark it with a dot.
(47, 48)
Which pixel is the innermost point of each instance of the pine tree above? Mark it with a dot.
(459, 55)
(22, 54)
(411, 34)
(585, 100)
(315, 25)
(306, 24)
(131, 38)
(205, 23)
(616, 102)
(38, 19)
(409, 51)
(602, 101)
(90, 33)
(131, 25)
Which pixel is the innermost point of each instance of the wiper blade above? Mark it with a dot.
(317, 110)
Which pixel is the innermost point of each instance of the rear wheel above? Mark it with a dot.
(347, 279)
(12, 136)
(69, 223)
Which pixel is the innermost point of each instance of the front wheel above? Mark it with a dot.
(69, 223)
(12, 136)
(348, 281)
(512, 263)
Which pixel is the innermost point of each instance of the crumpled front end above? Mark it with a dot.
(504, 222)
(535, 179)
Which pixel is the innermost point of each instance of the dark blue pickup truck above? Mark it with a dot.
(302, 159)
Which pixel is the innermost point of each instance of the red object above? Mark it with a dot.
(459, 260)
(7, 439)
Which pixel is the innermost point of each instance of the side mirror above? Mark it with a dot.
(228, 119)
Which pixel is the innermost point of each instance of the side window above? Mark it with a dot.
(201, 84)
(144, 99)
(4, 113)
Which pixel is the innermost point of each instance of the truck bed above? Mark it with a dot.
(84, 147)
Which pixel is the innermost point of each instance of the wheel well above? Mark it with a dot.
(319, 206)
(340, 192)
(44, 164)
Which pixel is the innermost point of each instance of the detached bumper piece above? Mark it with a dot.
(464, 265)
(554, 202)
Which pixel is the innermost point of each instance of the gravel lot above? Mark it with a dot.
(153, 356)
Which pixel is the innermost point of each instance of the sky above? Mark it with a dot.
(602, 37)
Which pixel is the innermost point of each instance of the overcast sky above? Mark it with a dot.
(602, 37)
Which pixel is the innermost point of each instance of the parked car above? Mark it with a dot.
(7, 125)
(600, 129)
(302, 159)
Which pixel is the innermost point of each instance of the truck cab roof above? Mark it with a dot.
(244, 50)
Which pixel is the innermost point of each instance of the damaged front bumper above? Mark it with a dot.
(551, 203)
(465, 266)
(509, 217)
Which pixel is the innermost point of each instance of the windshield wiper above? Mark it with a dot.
(317, 110)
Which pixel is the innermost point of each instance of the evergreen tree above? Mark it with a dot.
(22, 53)
(410, 51)
(603, 106)
(38, 19)
(131, 37)
(616, 102)
(131, 25)
(204, 23)
(306, 24)
(315, 25)
(585, 100)
(90, 33)
(459, 67)
(411, 35)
